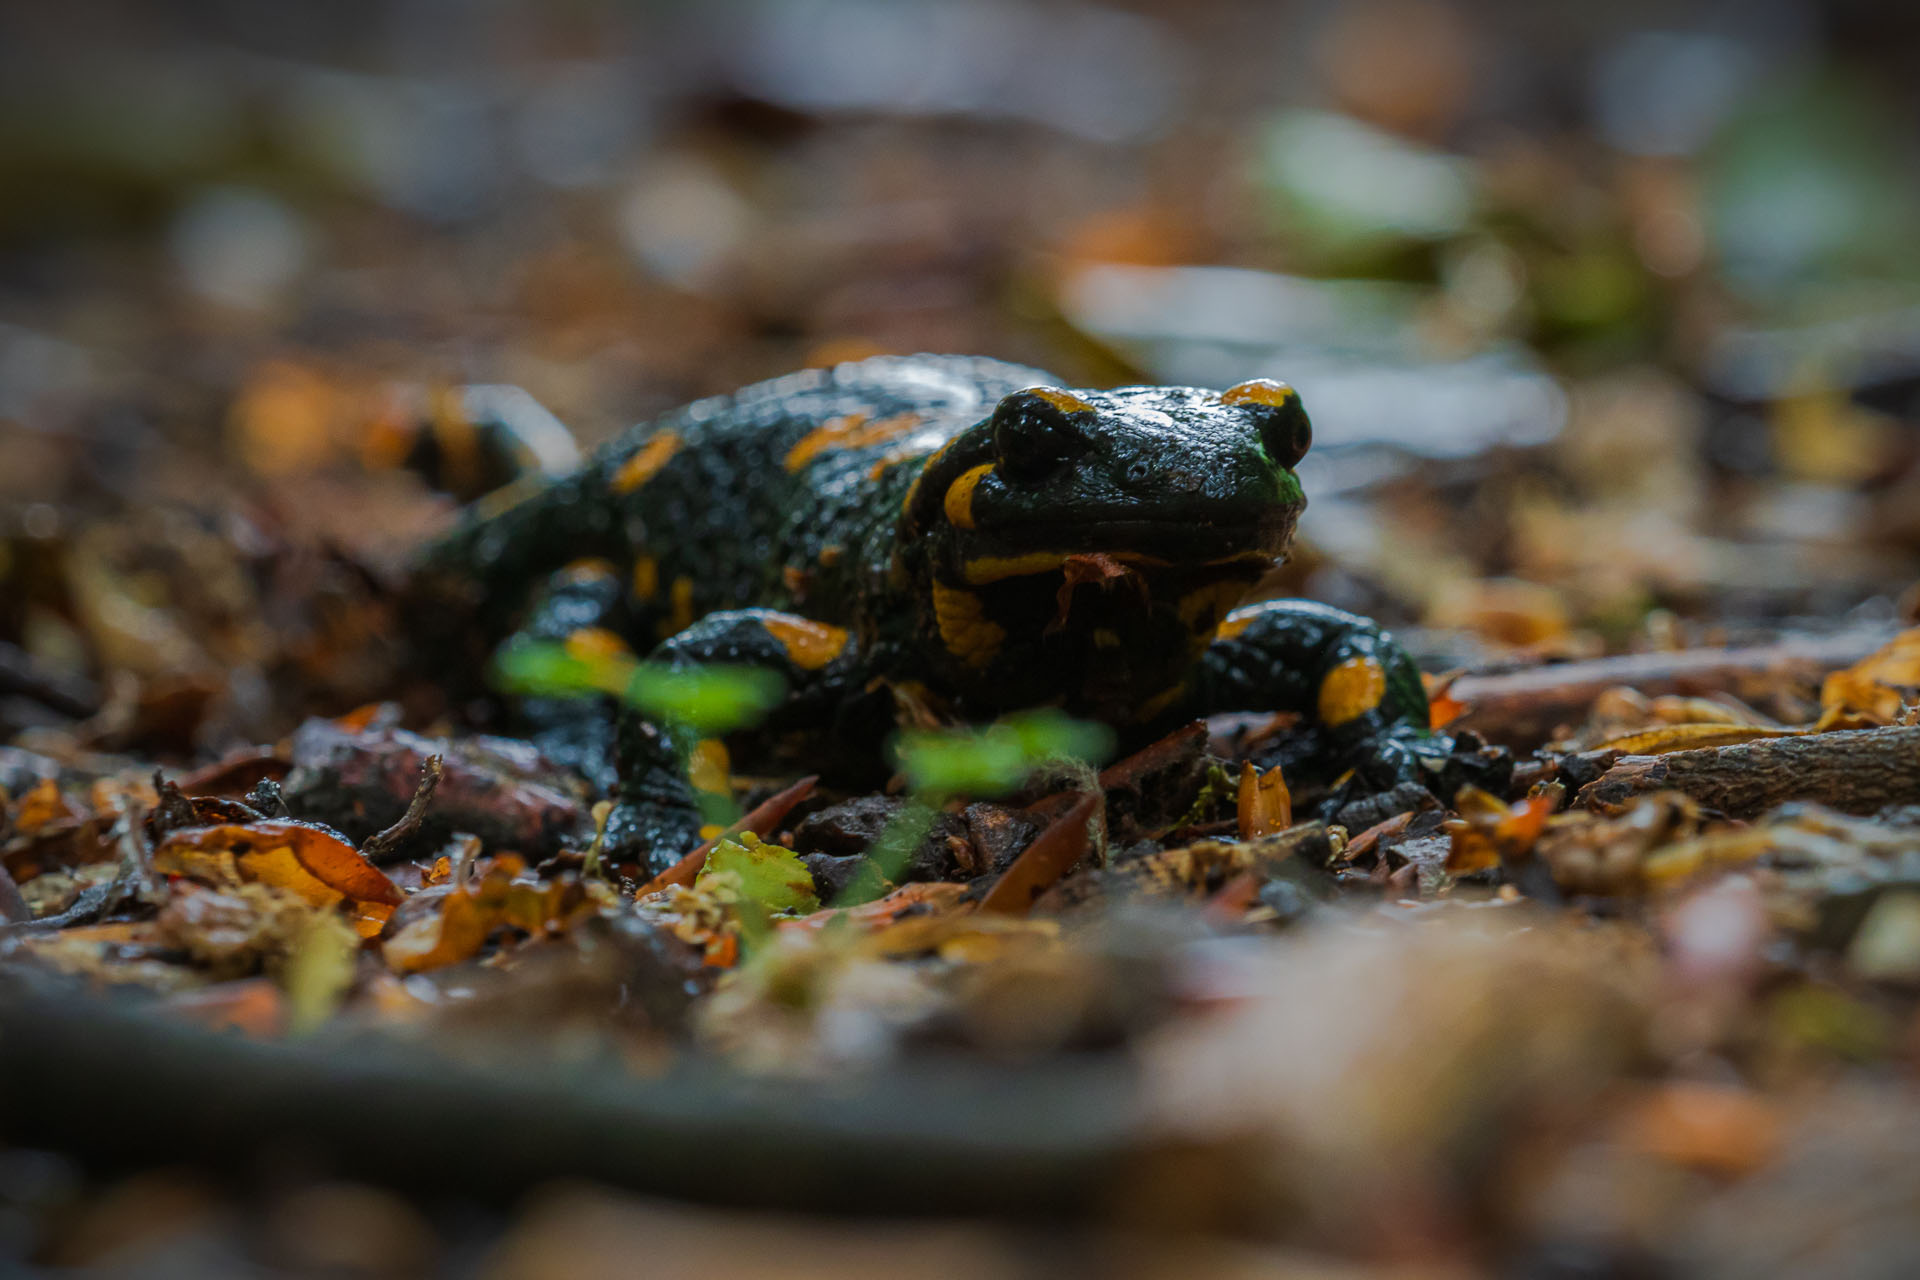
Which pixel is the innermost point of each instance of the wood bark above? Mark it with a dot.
(1522, 709)
(1859, 772)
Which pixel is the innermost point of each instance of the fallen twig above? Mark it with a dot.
(1523, 708)
(382, 844)
(1857, 771)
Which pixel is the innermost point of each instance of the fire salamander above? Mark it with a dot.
(940, 533)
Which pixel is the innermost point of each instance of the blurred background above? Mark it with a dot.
(1608, 316)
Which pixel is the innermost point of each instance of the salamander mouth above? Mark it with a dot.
(982, 570)
(1153, 546)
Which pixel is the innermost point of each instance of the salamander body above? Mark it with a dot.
(956, 535)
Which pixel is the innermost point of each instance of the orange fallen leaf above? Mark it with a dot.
(252, 1006)
(1266, 806)
(468, 916)
(308, 860)
(723, 951)
(1715, 1128)
(1872, 687)
(1442, 707)
(1488, 833)
(41, 807)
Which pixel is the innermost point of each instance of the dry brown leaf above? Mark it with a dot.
(41, 807)
(1488, 833)
(468, 917)
(1715, 1128)
(1687, 737)
(311, 861)
(1872, 686)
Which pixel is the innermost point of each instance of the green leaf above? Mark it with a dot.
(711, 700)
(541, 669)
(998, 758)
(768, 874)
(319, 970)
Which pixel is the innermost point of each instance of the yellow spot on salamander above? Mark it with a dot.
(709, 768)
(983, 569)
(587, 570)
(596, 644)
(458, 440)
(646, 462)
(959, 500)
(964, 627)
(1202, 609)
(680, 606)
(1106, 638)
(646, 577)
(1237, 623)
(1258, 391)
(809, 645)
(848, 431)
(1064, 401)
(1351, 689)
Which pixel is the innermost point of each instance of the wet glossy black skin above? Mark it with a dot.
(985, 546)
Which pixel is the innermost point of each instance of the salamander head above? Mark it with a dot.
(1089, 542)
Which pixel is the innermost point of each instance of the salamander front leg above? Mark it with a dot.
(673, 784)
(1360, 692)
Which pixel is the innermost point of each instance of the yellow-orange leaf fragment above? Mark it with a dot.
(1266, 806)
(1688, 737)
(468, 917)
(313, 862)
(1872, 686)
(1444, 710)
(1488, 832)
(41, 807)
(1715, 1128)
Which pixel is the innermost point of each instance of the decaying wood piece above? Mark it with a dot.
(1858, 771)
(1522, 708)
(13, 907)
(1061, 1137)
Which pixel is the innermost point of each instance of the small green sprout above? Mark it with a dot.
(998, 758)
(991, 761)
(710, 700)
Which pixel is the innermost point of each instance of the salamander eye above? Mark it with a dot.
(1034, 431)
(1284, 430)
